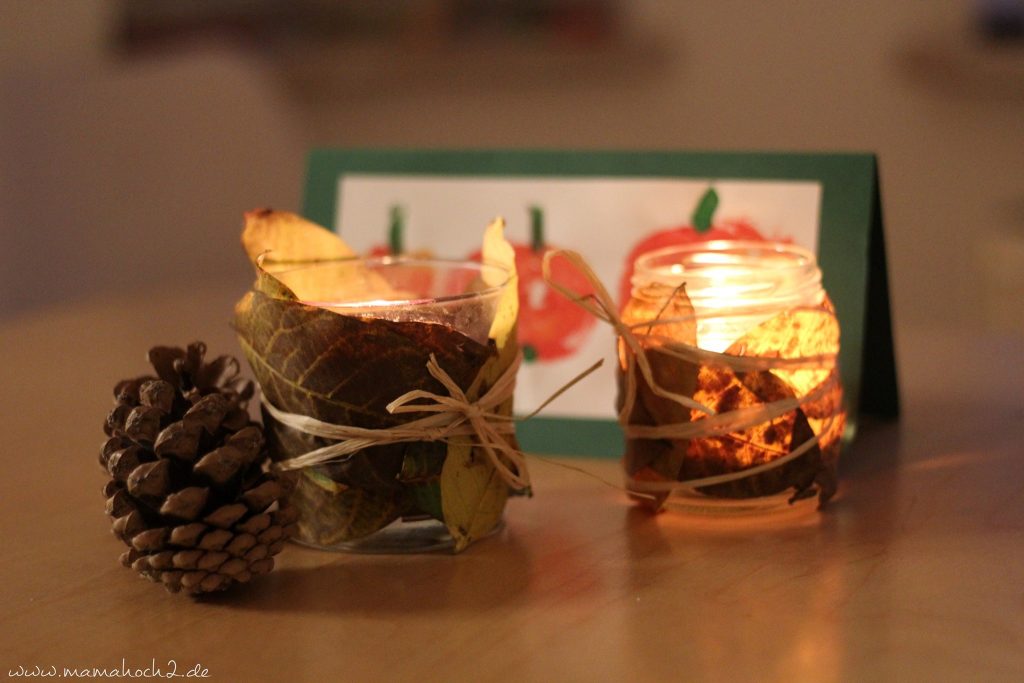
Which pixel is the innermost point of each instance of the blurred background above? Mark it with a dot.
(134, 133)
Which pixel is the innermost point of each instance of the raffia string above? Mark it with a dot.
(453, 416)
(601, 305)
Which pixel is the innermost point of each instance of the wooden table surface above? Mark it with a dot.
(916, 572)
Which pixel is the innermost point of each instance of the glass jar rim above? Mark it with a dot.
(801, 258)
(735, 274)
(389, 261)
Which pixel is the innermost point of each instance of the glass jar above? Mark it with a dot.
(394, 315)
(745, 409)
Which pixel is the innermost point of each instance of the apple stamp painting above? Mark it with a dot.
(609, 220)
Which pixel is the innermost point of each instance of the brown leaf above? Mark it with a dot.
(344, 514)
(790, 334)
(794, 334)
(345, 370)
(659, 459)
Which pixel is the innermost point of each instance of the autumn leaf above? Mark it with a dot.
(473, 495)
(469, 480)
(726, 391)
(330, 517)
(346, 370)
(498, 252)
(670, 314)
(284, 237)
(297, 259)
(421, 475)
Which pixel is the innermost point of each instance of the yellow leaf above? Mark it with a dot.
(498, 252)
(289, 237)
(296, 258)
(797, 333)
(473, 495)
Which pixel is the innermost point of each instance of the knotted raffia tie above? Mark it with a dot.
(634, 357)
(453, 416)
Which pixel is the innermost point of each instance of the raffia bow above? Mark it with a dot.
(452, 416)
(601, 305)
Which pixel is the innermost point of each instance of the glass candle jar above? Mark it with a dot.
(388, 318)
(742, 408)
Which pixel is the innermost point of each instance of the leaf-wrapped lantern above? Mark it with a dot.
(345, 366)
(737, 394)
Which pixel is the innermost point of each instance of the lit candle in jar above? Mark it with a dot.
(744, 410)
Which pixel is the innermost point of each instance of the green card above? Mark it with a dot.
(609, 205)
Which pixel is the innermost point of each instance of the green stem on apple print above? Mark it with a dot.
(537, 244)
(705, 211)
(396, 230)
(537, 229)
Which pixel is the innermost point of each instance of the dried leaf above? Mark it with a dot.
(795, 333)
(332, 517)
(344, 369)
(668, 310)
(670, 313)
(297, 259)
(470, 497)
(472, 494)
(421, 474)
(498, 252)
(469, 478)
(287, 237)
(790, 334)
(758, 445)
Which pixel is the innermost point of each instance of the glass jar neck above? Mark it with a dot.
(723, 275)
(732, 285)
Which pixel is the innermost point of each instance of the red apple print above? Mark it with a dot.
(701, 229)
(550, 326)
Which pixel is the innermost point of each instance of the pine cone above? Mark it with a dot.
(188, 492)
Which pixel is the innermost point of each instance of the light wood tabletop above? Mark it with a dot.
(915, 572)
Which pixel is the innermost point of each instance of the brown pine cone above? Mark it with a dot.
(188, 492)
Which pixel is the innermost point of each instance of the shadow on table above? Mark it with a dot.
(493, 572)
